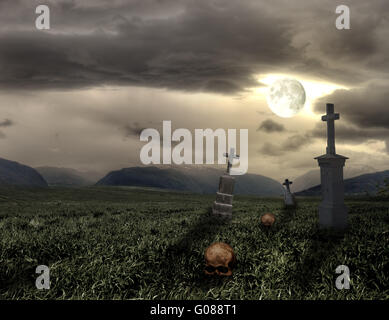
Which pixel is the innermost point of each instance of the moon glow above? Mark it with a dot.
(286, 97)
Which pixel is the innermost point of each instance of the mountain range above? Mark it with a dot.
(366, 183)
(194, 179)
(312, 177)
(14, 173)
(66, 176)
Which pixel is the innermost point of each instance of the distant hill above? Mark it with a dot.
(198, 180)
(14, 173)
(65, 177)
(354, 186)
(312, 177)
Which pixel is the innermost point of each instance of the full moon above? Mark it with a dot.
(286, 97)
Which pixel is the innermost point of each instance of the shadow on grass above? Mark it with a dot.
(323, 244)
(306, 272)
(287, 215)
(305, 269)
(21, 279)
(206, 227)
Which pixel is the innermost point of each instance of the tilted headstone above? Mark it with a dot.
(332, 210)
(288, 196)
(223, 204)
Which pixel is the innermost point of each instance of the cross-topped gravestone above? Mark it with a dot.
(230, 158)
(287, 183)
(330, 117)
(223, 204)
(288, 196)
(332, 210)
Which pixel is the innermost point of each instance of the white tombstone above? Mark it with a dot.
(223, 204)
(332, 210)
(288, 196)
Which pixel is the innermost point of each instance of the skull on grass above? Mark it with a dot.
(219, 259)
(268, 219)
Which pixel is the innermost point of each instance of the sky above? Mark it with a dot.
(79, 94)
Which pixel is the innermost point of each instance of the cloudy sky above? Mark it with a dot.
(78, 95)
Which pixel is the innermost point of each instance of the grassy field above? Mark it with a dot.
(127, 243)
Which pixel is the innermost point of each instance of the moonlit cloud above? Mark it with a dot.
(6, 123)
(270, 126)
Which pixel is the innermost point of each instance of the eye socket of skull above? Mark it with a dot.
(222, 269)
(210, 269)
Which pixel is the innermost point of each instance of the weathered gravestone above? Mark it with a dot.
(288, 196)
(223, 204)
(332, 210)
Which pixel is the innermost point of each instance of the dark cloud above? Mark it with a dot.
(363, 115)
(291, 144)
(365, 107)
(205, 48)
(270, 126)
(133, 129)
(350, 134)
(3, 124)
(6, 123)
(212, 46)
(295, 142)
(270, 149)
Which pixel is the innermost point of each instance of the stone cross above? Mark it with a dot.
(330, 117)
(223, 204)
(287, 183)
(332, 210)
(230, 156)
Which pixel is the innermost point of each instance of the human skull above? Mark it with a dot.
(268, 219)
(219, 259)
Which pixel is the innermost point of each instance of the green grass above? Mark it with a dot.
(128, 243)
